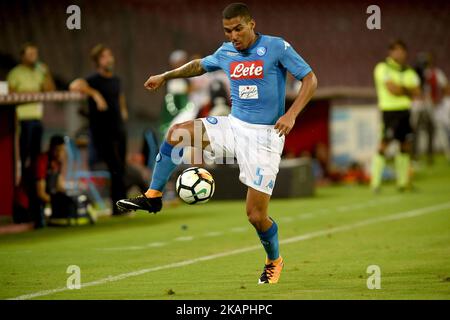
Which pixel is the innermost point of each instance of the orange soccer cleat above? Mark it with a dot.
(272, 271)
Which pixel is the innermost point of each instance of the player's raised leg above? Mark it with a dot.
(267, 230)
(169, 157)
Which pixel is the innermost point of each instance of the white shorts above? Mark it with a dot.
(257, 149)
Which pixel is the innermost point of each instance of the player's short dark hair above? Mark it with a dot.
(97, 51)
(25, 46)
(397, 43)
(237, 9)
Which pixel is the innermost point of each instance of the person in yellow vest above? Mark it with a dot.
(397, 85)
(30, 75)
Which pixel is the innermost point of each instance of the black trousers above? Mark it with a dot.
(30, 142)
(112, 150)
(424, 121)
(396, 125)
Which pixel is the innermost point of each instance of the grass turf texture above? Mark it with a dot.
(413, 253)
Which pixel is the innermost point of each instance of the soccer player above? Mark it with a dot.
(396, 84)
(256, 66)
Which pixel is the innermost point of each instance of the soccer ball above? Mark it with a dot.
(195, 185)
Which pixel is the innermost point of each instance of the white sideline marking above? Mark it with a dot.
(392, 217)
(123, 248)
(184, 238)
(302, 216)
(213, 234)
(149, 245)
(156, 244)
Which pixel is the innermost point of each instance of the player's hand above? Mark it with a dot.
(154, 82)
(285, 124)
(100, 101)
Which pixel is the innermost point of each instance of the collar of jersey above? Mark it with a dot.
(247, 51)
(393, 64)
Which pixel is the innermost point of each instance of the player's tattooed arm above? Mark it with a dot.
(190, 69)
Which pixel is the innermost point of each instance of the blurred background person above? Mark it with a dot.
(397, 85)
(107, 116)
(176, 105)
(49, 183)
(199, 87)
(30, 75)
(422, 113)
(434, 116)
(50, 189)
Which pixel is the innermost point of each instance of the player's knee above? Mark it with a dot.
(179, 133)
(256, 216)
(171, 134)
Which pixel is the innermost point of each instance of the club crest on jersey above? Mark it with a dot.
(261, 51)
(212, 120)
(247, 70)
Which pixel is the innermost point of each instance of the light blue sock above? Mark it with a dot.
(167, 160)
(269, 240)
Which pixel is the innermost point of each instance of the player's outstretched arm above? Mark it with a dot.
(190, 69)
(286, 122)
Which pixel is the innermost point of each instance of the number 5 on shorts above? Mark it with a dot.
(259, 176)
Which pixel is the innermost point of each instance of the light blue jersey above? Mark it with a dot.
(258, 77)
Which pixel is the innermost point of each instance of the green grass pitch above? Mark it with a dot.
(211, 252)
